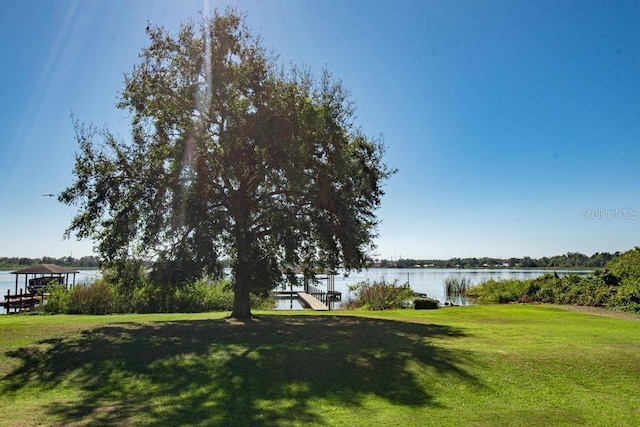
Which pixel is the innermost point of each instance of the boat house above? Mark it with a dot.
(36, 278)
(39, 276)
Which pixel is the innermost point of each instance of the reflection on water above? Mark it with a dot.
(456, 300)
(288, 303)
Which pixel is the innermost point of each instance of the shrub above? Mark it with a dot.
(591, 291)
(626, 267)
(627, 298)
(499, 291)
(104, 297)
(425, 304)
(380, 295)
(148, 297)
(56, 299)
(543, 288)
(262, 302)
(201, 296)
(600, 289)
(98, 297)
(204, 295)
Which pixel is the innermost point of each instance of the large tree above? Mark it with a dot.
(231, 154)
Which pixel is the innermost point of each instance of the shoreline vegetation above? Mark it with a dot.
(617, 286)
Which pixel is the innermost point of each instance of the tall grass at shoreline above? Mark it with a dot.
(455, 289)
(380, 295)
(103, 297)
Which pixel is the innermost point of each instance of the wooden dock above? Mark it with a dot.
(312, 302)
(20, 302)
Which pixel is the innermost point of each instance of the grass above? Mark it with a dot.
(481, 365)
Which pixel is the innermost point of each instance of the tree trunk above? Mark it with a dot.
(242, 276)
(241, 300)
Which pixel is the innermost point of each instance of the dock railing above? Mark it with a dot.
(326, 297)
(19, 302)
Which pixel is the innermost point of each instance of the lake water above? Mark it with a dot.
(428, 281)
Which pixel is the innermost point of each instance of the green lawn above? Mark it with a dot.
(483, 365)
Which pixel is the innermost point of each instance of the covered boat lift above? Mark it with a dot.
(39, 276)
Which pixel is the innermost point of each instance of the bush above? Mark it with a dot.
(98, 297)
(148, 297)
(56, 299)
(499, 291)
(617, 287)
(380, 295)
(425, 304)
(591, 291)
(201, 296)
(601, 289)
(627, 298)
(626, 267)
(540, 288)
(204, 295)
(104, 297)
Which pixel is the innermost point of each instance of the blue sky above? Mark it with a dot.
(514, 125)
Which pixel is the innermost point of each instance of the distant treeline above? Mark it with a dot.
(569, 260)
(18, 263)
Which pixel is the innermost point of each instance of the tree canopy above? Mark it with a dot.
(233, 155)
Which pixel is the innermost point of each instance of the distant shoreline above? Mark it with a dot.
(11, 269)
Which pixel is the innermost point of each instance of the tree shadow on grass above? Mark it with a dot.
(273, 371)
